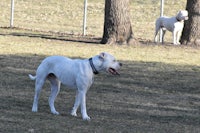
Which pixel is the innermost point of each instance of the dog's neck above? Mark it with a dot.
(179, 20)
(93, 67)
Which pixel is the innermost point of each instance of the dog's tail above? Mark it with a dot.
(32, 77)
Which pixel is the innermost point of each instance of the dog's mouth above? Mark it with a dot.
(113, 71)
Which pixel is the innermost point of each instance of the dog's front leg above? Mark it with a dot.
(80, 99)
(76, 104)
(174, 37)
(178, 37)
(82, 95)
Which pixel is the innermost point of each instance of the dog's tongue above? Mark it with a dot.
(117, 73)
(113, 71)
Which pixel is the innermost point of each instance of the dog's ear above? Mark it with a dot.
(102, 56)
(178, 13)
(179, 16)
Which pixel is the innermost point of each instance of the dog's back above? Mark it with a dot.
(165, 22)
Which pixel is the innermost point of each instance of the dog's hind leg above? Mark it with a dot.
(38, 86)
(163, 34)
(157, 28)
(55, 88)
(156, 35)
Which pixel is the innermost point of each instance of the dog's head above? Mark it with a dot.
(106, 62)
(182, 15)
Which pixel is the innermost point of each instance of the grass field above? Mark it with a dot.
(158, 90)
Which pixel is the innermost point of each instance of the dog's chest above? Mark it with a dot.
(178, 26)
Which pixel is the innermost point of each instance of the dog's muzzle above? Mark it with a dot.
(114, 71)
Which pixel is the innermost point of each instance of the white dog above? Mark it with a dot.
(172, 24)
(74, 73)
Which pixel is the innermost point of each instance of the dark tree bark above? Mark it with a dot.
(117, 24)
(191, 31)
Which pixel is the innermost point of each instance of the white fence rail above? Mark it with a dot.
(12, 13)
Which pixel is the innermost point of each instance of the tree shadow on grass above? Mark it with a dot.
(146, 97)
(50, 35)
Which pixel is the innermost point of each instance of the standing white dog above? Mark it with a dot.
(172, 24)
(77, 74)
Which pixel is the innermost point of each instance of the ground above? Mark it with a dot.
(157, 91)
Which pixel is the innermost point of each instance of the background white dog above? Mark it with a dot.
(174, 24)
(76, 74)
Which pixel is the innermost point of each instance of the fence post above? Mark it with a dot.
(85, 17)
(161, 14)
(12, 13)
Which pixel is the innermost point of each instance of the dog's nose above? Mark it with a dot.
(120, 64)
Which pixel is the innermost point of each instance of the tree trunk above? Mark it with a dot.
(117, 24)
(191, 31)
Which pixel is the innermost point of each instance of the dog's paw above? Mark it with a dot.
(74, 114)
(34, 109)
(178, 43)
(55, 112)
(86, 118)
